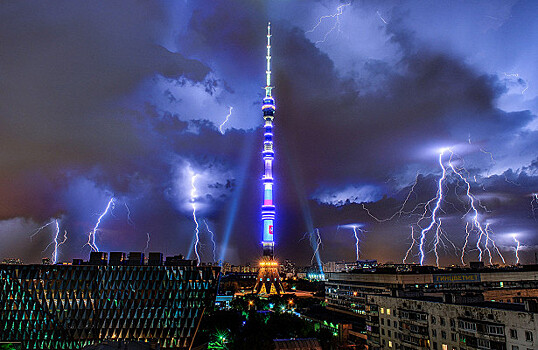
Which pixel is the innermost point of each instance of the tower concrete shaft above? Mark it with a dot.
(268, 278)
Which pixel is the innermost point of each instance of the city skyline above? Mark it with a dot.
(136, 127)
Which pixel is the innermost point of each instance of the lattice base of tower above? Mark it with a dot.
(268, 281)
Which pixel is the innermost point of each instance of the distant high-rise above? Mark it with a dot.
(268, 281)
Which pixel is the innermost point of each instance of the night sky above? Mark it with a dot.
(124, 99)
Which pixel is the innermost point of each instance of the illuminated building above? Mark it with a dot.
(347, 291)
(268, 281)
(72, 306)
(382, 300)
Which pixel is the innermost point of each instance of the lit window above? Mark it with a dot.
(382, 310)
(390, 344)
(445, 347)
(388, 311)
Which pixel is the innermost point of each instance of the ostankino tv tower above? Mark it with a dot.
(268, 278)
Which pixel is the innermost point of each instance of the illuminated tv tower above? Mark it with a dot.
(268, 281)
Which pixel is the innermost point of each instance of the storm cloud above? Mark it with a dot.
(116, 99)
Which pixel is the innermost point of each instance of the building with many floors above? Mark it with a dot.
(441, 323)
(348, 291)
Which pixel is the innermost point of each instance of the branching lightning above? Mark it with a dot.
(193, 204)
(400, 211)
(226, 120)
(433, 218)
(429, 220)
(336, 26)
(56, 243)
(212, 235)
(483, 232)
(92, 233)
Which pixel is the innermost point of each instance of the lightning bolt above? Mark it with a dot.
(41, 228)
(438, 199)
(336, 26)
(357, 241)
(56, 243)
(193, 204)
(92, 233)
(212, 241)
(129, 215)
(226, 120)
(401, 211)
(381, 17)
(147, 242)
(533, 207)
(430, 216)
(483, 232)
(413, 243)
(57, 231)
(517, 248)
(315, 238)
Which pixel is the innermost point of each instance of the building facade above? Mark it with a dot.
(71, 306)
(348, 291)
(411, 323)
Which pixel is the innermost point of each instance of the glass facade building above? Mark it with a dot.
(71, 306)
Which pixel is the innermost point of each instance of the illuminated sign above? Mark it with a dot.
(267, 230)
(457, 278)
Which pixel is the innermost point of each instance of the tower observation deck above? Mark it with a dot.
(268, 281)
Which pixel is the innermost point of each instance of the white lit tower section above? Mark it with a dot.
(268, 207)
(268, 281)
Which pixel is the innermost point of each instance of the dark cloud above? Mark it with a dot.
(64, 67)
(83, 120)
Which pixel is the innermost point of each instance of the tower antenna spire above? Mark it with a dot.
(268, 86)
